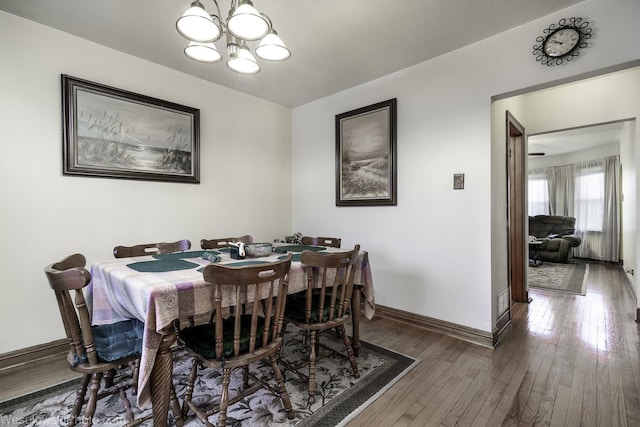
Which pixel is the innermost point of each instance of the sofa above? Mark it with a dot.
(557, 236)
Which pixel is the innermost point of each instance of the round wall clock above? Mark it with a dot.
(562, 41)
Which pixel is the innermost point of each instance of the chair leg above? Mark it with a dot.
(108, 378)
(135, 371)
(352, 357)
(174, 404)
(280, 353)
(93, 399)
(313, 354)
(188, 393)
(282, 390)
(80, 394)
(245, 377)
(224, 397)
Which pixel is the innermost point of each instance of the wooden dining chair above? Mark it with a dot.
(257, 295)
(151, 249)
(332, 242)
(324, 305)
(96, 352)
(224, 242)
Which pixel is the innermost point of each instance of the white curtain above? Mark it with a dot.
(561, 184)
(538, 190)
(597, 209)
(590, 192)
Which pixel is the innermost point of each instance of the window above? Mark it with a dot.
(589, 200)
(538, 195)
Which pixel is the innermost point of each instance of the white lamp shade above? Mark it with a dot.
(203, 52)
(272, 48)
(247, 23)
(243, 62)
(196, 25)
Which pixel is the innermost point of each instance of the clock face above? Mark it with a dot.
(561, 42)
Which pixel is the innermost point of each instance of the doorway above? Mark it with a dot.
(611, 89)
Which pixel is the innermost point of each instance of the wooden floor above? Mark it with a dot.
(568, 361)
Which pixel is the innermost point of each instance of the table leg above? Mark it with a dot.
(161, 380)
(355, 319)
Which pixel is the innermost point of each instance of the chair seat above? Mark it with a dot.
(201, 338)
(295, 310)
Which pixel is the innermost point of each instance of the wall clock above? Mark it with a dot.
(562, 41)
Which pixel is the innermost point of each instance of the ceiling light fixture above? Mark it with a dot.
(244, 24)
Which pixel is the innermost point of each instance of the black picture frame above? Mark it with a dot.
(114, 133)
(366, 155)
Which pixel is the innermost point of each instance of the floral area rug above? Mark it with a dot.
(570, 278)
(339, 396)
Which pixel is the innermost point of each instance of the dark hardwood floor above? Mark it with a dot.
(567, 361)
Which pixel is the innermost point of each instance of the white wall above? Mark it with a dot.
(45, 216)
(442, 253)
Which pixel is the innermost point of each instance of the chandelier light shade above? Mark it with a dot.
(242, 61)
(203, 52)
(196, 25)
(272, 48)
(246, 22)
(243, 24)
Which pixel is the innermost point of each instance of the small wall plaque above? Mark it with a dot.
(458, 181)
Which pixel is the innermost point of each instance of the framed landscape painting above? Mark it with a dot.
(366, 155)
(113, 133)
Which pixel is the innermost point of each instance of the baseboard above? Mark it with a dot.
(503, 326)
(629, 286)
(454, 330)
(27, 355)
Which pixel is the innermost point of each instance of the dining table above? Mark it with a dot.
(162, 288)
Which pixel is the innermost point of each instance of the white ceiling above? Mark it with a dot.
(570, 140)
(335, 44)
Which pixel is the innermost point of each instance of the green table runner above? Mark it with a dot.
(298, 248)
(161, 265)
(294, 258)
(183, 255)
(240, 264)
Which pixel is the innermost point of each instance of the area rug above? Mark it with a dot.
(570, 278)
(339, 396)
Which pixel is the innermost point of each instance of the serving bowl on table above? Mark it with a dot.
(258, 249)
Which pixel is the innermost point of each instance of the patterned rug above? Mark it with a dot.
(339, 396)
(570, 278)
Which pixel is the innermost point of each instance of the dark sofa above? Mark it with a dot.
(556, 234)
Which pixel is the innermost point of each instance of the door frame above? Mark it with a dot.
(516, 209)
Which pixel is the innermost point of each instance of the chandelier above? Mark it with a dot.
(244, 24)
